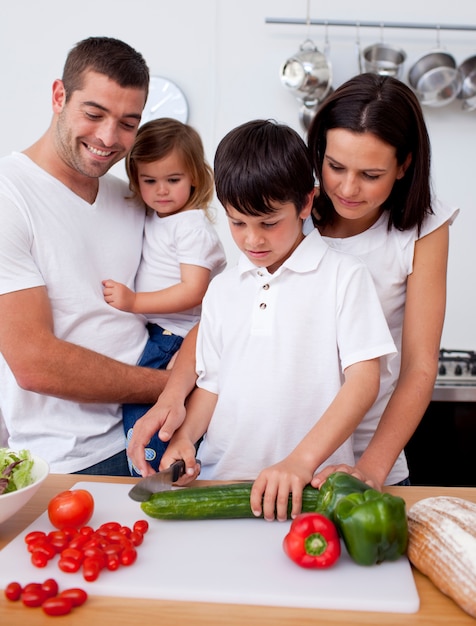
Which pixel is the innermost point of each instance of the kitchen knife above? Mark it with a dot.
(162, 481)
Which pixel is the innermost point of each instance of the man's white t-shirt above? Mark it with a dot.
(50, 236)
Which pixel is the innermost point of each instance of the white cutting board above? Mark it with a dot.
(225, 561)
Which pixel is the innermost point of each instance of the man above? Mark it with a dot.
(67, 358)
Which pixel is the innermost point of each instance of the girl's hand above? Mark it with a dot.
(118, 295)
(271, 489)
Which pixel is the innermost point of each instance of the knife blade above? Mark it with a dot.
(162, 481)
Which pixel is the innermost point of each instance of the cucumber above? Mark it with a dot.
(213, 502)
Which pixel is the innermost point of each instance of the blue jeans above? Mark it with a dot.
(403, 483)
(113, 466)
(159, 349)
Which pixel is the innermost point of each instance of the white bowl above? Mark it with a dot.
(12, 502)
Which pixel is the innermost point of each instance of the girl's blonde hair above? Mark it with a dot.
(157, 139)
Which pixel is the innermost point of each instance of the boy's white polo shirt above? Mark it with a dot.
(274, 346)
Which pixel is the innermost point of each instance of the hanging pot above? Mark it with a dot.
(307, 73)
(435, 78)
(383, 59)
(467, 92)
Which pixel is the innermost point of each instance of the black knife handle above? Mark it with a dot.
(178, 469)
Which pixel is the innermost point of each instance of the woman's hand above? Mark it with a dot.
(319, 478)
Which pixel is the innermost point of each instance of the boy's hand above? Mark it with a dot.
(178, 449)
(271, 489)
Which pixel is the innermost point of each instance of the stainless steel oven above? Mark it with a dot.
(442, 450)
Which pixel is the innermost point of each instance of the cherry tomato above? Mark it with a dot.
(128, 556)
(13, 591)
(32, 587)
(76, 595)
(58, 539)
(71, 509)
(39, 559)
(45, 548)
(68, 565)
(57, 606)
(34, 598)
(141, 526)
(113, 562)
(50, 586)
(109, 526)
(34, 536)
(91, 568)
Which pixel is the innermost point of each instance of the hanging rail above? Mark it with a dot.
(365, 24)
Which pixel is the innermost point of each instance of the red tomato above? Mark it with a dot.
(71, 509)
(34, 536)
(34, 598)
(50, 586)
(141, 526)
(57, 606)
(13, 591)
(68, 565)
(76, 595)
(128, 556)
(39, 559)
(91, 568)
(58, 539)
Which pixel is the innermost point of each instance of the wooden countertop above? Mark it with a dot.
(435, 608)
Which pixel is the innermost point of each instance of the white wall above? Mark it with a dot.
(226, 59)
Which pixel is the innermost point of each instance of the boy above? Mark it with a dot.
(289, 340)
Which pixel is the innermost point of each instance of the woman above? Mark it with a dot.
(371, 154)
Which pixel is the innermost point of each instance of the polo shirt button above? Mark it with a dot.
(266, 286)
(262, 305)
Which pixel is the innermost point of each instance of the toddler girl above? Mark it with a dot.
(181, 250)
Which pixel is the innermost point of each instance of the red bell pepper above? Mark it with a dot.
(312, 541)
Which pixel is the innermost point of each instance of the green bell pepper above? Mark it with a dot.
(337, 486)
(373, 526)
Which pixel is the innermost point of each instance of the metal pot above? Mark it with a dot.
(383, 59)
(435, 78)
(467, 92)
(307, 73)
(309, 109)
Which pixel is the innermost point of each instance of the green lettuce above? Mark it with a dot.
(15, 470)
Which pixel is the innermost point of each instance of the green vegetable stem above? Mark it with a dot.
(337, 486)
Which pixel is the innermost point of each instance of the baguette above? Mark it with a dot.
(442, 545)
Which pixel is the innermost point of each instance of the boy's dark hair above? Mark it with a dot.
(105, 55)
(261, 162)
(387, 108)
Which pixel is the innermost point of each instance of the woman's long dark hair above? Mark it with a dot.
(387, 108)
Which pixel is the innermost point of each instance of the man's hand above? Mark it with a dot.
(167, 414)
